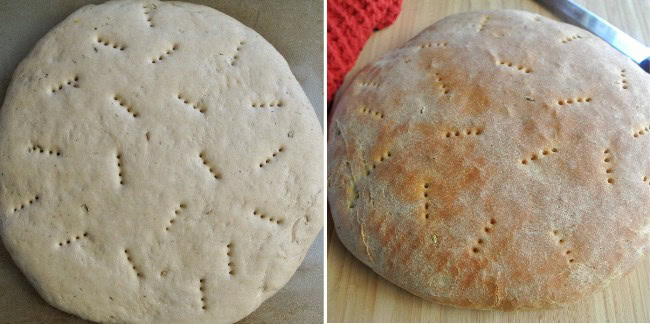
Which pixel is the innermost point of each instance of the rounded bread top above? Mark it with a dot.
(499, 159)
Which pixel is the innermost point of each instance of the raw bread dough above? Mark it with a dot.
(158, 163)
(498, 160)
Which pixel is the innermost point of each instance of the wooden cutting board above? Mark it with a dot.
(356, 294)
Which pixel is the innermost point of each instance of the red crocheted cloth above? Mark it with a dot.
(349, 25)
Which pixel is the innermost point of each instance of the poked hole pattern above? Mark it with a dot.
(372, 113)
(488, 228)
(273, 157)
(202, 293)
(624, 84)
(211, 168)
(168, 52)
(430, 45)
(440, 84)
(120, 177)
(189, 103)
(26, 203)
(268, 104)
(35, 148)
(368, 83)
(484, 21)
(69, 82)
(642, 131)
(147, 15)
(103, 41)
(540, 154)
(475, 131)
(380, 160)
(480, 242)
(353, 203)
(235, 57)
(231, 264)
(559, 239)
(426, 188)
(263, 216)
(177, 212)
(120, 101)
(518, 67)
(571, 101)
(608, 165)
(73, 239)
(130, 260)
(571, 38)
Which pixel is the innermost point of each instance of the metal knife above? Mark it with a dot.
(579, 16)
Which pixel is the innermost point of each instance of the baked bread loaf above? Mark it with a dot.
(159, 162)
(497, 160)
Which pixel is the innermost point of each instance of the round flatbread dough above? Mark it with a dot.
(498, 160)
(159, 163)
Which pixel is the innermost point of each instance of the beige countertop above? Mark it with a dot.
(24, 22)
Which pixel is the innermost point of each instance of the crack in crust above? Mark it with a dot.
(365, 243)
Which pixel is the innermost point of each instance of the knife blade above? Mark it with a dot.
(581, 17)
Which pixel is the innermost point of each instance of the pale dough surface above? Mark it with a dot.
(159, 163)
(497, 160)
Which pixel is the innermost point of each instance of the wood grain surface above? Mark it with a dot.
(356, 294)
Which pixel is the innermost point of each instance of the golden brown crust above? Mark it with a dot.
(496, 160)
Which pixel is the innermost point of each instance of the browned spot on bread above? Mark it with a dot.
(445, 182)
(507, 304)
(388, 232)
(404, 250)
(470, 267)
(530, 127)
(492, 288)
(479, 103)
(441, 259)
(475, 100)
